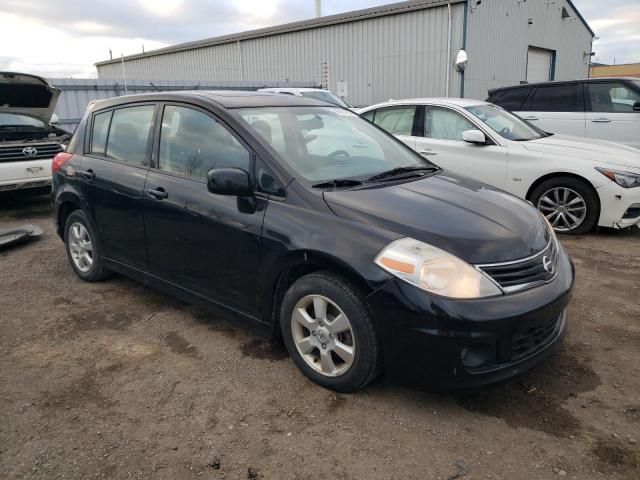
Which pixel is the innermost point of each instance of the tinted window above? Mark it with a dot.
(396, 120)
(612, 97)
(511, 99)
(192, 143)
(100, 130)
(129, 134)
(557, 98)
(445, 124)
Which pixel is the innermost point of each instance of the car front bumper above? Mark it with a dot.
(25, 174)
(619, 207)
(441, 344)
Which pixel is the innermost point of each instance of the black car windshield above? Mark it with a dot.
(504, 123)
(15, 120)
(322, 144)
(325, 96)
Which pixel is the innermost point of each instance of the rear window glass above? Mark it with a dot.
(557, 98)
(511, 99)
(129, 134)
(100, 131)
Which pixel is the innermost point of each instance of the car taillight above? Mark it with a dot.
(59, 160)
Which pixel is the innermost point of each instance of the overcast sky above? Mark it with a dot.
(63, 38)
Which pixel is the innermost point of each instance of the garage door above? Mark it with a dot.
(539, 65)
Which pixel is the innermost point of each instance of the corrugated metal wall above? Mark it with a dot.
(394, 56)
(77, 93)
(499, 35)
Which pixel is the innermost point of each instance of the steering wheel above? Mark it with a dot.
(338, 155)
(505, 132)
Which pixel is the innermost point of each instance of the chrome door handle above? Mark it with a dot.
(427, 152)
(601, 120)
(530, 118)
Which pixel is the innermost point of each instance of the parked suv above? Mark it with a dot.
(602, 108)
(360, 261)
(28, 139)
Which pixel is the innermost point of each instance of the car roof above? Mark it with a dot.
(459, 102)
(223, 98)
(560, 82)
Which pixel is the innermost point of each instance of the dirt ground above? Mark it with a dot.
(113, 380)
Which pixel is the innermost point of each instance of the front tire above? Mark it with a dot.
(83, 250)
(570, 205)
(329, 332)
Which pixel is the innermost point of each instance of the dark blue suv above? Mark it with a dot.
(311, 224)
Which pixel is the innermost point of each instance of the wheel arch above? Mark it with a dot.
(295, 266)
(553, 175)
(67, 203)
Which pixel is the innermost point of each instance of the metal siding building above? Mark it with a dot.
(393, 51)
(77, 93)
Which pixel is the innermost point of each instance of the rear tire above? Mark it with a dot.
(571, 205)
(329, 332)
(83, 249)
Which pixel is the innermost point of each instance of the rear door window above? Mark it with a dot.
(396, 120)
(129, 134)
(557, 98)
(100, 131)
(512, 100)
(612, 97)
(192, 143)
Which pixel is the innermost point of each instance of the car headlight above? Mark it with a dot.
(624, 179)
(434, 270)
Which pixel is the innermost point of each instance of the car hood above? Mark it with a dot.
(27, 95)
(471, 220)
(586, 148)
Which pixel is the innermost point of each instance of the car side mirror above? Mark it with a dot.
(636, 106)
(229, 181)
(474, 136)
(54, 119)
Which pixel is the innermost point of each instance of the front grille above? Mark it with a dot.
(529, 341)
(525, 273)
(28, 151)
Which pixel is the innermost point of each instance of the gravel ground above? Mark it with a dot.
(114, 380)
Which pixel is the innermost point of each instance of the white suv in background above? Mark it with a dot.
(576, 183)
(28, 141)
(603, 108)
(317, 93)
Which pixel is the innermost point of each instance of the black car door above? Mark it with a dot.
(113, 173)
(207, 243)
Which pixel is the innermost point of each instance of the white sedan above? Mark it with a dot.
(577, 183)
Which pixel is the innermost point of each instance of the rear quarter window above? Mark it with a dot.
(99, 133)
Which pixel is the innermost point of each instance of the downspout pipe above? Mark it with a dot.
(464, 46)
(446, 88)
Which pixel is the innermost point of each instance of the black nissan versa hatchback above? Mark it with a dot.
(314, 225)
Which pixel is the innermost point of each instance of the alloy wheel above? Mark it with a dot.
(323, 335)
(564, 208)
(80, 247)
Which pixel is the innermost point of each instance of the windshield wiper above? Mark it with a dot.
(395, 172)
(337, 183)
